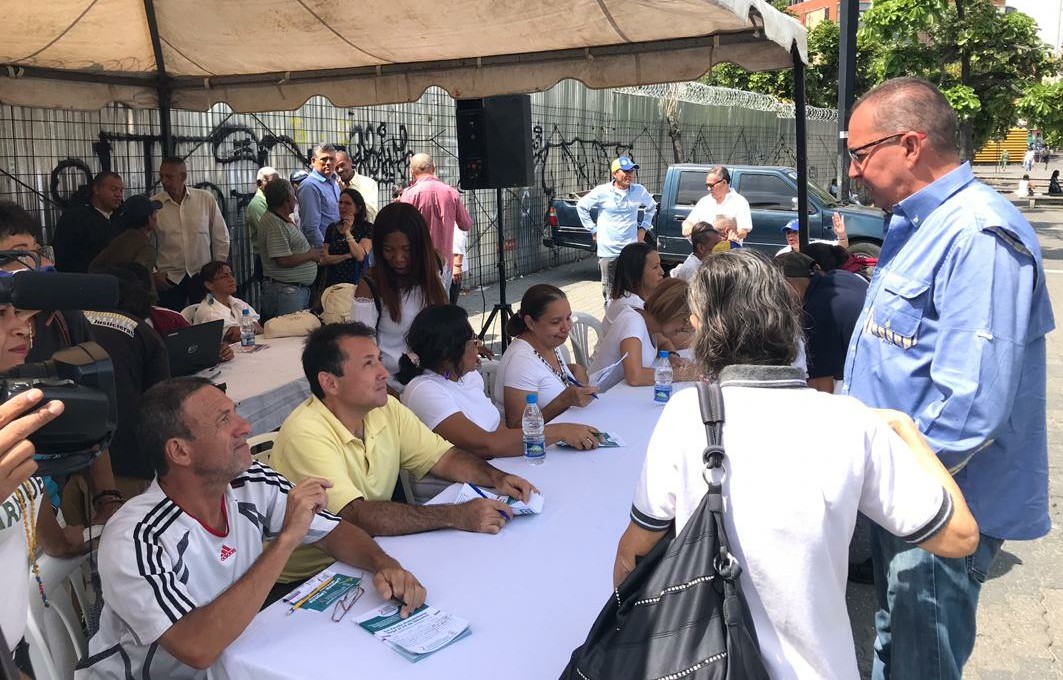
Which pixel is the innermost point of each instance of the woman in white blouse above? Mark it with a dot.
(220, 302)
(446, 392)
(532, 362)
(638, 273)
(404, 279)
(641, 333)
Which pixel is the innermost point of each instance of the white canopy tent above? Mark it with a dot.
(269, 55)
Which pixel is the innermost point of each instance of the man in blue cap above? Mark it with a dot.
(618, 203)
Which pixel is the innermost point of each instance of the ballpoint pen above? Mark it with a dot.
(483, 495)
(309, 595)
(577, 383)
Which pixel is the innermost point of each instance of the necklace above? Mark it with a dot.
(559, 374)
(24, 499)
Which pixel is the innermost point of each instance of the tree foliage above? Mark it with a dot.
(984, 61)
(981, 59)
(1042, 107)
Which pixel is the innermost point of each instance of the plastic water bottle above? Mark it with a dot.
(247, 331)
(662, 378)
(534, 432)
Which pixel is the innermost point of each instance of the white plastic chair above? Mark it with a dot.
(582, 323)
(55, 635)
(489, 371)
(189, 312)
(262, 446)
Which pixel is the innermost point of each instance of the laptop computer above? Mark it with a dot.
(194, 348)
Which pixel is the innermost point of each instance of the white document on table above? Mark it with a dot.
(458, 493)
(427, 630)
(608, 376)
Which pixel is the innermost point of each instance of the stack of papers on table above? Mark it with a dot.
(458, 493)
(425, 631)
(605, 378)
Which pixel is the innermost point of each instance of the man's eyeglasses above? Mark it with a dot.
(710, 185)
(344, 604)
(861, 153)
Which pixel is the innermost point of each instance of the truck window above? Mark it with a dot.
(691, 187)
(767, 192)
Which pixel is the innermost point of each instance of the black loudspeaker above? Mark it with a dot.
(495, 142)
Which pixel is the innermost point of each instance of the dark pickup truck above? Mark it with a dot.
(772, 195)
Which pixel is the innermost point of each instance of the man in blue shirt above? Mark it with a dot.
(953, 334)
(319, 196)
(618, 203)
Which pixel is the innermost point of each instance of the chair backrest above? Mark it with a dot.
(189, 312)
(489, 371)
(582, 323)
(55, 635)
(262, 446)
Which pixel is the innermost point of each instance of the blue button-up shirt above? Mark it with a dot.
(319, 206)
(953, 334)
(618, 215)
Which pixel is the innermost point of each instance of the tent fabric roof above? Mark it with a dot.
(262, 55)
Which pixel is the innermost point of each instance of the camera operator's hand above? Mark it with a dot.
(16, 451)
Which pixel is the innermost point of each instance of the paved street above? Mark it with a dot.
(1020, 622)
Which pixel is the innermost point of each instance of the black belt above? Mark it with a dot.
(287, 283)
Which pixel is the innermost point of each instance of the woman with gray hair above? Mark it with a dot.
(800, 464)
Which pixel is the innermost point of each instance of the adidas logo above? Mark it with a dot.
(226, 552)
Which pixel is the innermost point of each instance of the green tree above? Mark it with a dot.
(982, 60)
(1042, 107)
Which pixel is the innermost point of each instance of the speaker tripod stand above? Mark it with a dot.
(502, 309)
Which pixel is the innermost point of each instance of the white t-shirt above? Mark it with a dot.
(686, 271)
(390, 334)
(734, 205)
(433, 399)
(612, 312)
(14, 558)
(157, 564)
(211, 309)
(791, 495)
(629, 324)
(522, 369)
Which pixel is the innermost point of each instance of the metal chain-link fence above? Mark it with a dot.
(47, 157)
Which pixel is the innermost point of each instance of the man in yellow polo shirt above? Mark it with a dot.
(352, 433)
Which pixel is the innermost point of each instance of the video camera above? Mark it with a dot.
(82, 377)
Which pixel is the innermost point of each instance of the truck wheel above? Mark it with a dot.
(868, 248)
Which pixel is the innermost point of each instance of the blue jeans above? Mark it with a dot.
(926, 608)
(280, 298)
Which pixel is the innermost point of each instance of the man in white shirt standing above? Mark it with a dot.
(191, 232)
(348, 178)
(721, 200)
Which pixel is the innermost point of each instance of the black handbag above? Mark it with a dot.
(680, 613)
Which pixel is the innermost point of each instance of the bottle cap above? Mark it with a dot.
(663, 354)
(246, 312)
(532, 399)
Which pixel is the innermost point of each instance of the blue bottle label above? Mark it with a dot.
(661, 393)
(534, 449)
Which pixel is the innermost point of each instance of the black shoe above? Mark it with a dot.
(862, 573)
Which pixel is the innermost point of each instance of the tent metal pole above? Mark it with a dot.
(163, 85)
(802, 147)
(850, 15)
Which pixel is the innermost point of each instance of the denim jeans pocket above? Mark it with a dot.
(979, 563)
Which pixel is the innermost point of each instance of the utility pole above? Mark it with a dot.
(850, 15)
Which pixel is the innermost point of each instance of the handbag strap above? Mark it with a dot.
(710, 399)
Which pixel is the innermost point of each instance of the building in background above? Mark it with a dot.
(811, 12)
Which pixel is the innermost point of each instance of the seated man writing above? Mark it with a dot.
(183, 565)
(356, 436)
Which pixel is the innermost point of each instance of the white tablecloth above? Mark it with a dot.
(266, 385)
(530, 592)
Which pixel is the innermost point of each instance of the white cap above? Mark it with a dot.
(264, 172)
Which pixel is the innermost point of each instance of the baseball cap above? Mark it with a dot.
(789, 226)
(623, 163)
(795, 265)
(264, 172)
(298, 176)
(137, 209)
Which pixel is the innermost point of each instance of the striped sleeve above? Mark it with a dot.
(268, 490)
(936, 523)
